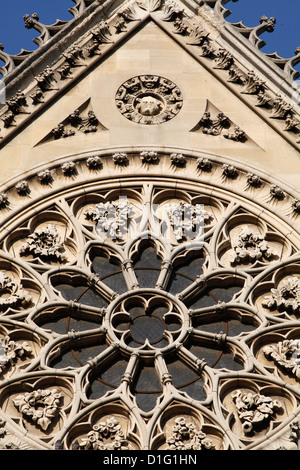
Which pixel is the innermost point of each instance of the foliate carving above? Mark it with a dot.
(214, 126)
(4, 202)
(11, 351)
(235, 75)
(65, 71)
(44, 243)
(204, 164)
(263, 99)
(187, 220)
(120, 158)
(37, 97)
(178, 159)
(223, 60)
(292, 125)
(186, 436)
(276, 192)
(60, 131)
(146, 308)
(254, 180)
(23, 188)
(149, 5)
(45, 79)
(149, 157)
(76, 122)
(12, 294)
(101, 35)
(281, 109)
(73, 55)
(129, 13)
(255, 410)
(237, 135)
(295, 432)
(229, 171)
(86, 124)
(8, 119)
(286, 355)
(296, 206)
(69, 168)
(249, 247)
(120, 25)
(45, 176)
(111, 217)
(94, 163)
(172, 11)
(197, 37)
(106, 435)
(17, 103)
(285, 297)
(149, 99)
(40, 406)
(181, 27)
(252, 84)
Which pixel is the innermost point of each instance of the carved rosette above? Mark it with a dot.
(149, 99)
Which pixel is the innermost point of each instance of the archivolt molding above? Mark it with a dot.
(121, 328)
(191, 30)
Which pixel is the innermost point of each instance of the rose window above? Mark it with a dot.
(142, 315)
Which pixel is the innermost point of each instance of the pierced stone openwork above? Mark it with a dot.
(149, 313)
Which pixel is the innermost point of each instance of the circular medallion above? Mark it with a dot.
(149, 99)
(147, 320)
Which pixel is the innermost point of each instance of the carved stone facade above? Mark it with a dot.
(150, 235)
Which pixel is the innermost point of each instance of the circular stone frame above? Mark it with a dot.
(146, 348)
(149, 99)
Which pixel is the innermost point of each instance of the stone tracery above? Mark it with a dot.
(154, 318)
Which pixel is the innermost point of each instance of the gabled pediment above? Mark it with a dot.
(195, 30)
(241, 71)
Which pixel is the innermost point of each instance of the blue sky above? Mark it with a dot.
(283, 40)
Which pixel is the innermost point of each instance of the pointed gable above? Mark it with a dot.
(233, 97)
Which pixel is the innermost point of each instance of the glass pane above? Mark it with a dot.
(216, 358)
(185, 272)
(109, 272)
(146, 388)
(77, 357)
(147, 380)
(213, 296)
(116, 282)
(178, 283)
(147, 267)
(182, 374)
(82, 294)
(210, 355)
(107, 379)
(195, 390)
(103, 266)
(146, 401)
(64, 324)
(147, 258)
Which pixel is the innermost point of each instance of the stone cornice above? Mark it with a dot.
(31, 190)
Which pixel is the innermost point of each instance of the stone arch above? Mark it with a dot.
(219, 304)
